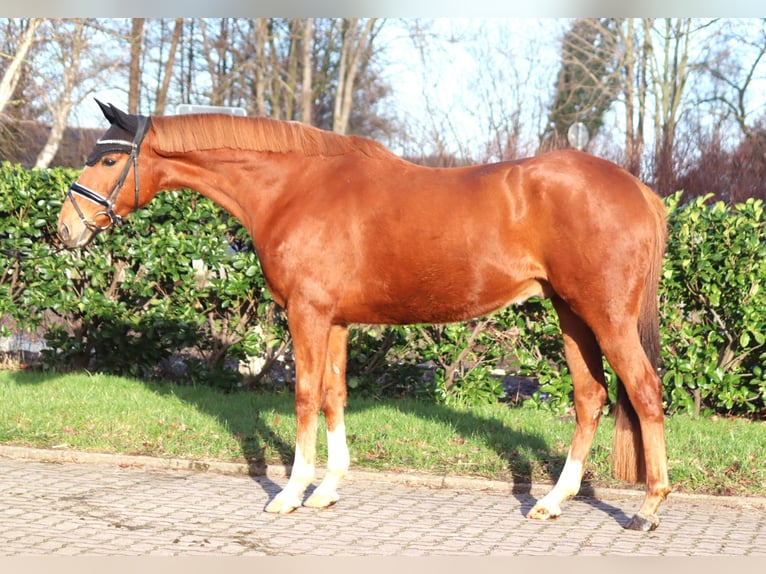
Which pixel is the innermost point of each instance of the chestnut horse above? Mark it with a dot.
(347, 232)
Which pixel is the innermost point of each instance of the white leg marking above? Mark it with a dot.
(291, 496)
(337, 467)
(302, 471)
(566, 487)
(337, 449)
(569, 481)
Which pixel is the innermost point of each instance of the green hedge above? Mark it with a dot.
(167, 281)
(713, 307)
(179, 279)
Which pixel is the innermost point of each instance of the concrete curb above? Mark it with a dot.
(448, 482)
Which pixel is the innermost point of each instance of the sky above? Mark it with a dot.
(447, 81)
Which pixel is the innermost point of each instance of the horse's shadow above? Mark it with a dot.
(254, 431)
(587, 496)
(254, 428)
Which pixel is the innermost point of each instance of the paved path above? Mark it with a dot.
(124, 508)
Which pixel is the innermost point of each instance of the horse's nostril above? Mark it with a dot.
(63, 232)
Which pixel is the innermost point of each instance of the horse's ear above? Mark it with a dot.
(124, 120)
(107, 110)
(115, 116)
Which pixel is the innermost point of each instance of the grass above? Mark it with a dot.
(100, 413)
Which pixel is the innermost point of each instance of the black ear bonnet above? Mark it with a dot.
(119, 138)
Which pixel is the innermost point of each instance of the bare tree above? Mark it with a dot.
(587, 82)
(357, 38)
(482, 92)
(280, 81)
(13, 72)
(222, 70)
(669, 67)
(674, 57)
(165, 72)
(260, 32)
(267, 70)
(71, 63)
(501, 86)
(308, 70)
(741, 61)
(70, 40)
(431, 136)
(634, 88)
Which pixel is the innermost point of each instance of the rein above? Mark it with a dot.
(20, 255)
(108, 202)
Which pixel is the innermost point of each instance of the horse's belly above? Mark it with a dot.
(441, 304)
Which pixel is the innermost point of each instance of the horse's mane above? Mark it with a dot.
(217, 131)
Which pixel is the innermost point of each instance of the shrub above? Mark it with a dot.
(714, 307)
(167, 281)
(180, 277)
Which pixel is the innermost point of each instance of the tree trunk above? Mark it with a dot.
(276, 85)
(306, 88)
(632, 160)
(134, 79)
(73, 43)
(45, 157)
(13, 71)
(635, 87)
(215, 56)
(356, 41)
(290, 91)
(261, 33)
(337, 120)
(190, 57)
(669, 79)
(162, 93)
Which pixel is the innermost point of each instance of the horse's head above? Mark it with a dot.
(108, 188)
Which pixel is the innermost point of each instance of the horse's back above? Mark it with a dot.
(391, 242)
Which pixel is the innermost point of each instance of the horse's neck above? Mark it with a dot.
(244, 186)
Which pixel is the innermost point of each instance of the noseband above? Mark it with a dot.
(108, 202)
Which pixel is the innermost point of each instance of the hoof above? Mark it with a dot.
(282, 506)
(321, 499)
(643, 523)
(543, 513)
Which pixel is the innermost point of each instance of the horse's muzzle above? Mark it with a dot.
(73, 241)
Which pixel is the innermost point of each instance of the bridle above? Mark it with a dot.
(108, 202)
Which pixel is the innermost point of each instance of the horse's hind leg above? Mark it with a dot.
(644, 389)
(583, 356)
(333, 404)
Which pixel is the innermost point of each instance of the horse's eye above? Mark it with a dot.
(108, 162)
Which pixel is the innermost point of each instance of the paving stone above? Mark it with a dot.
(103, 509)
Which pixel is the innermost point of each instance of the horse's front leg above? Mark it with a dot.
(310, 333)
(333, 404)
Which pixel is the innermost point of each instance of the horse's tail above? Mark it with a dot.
(628, 448)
